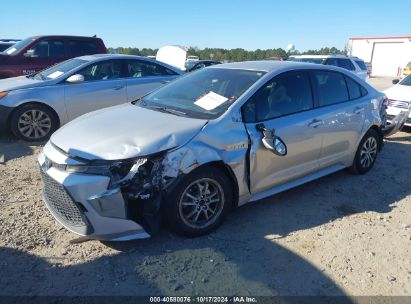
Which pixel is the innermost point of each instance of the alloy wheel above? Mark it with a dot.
(368, 152)
(201, 203)
(34, 124)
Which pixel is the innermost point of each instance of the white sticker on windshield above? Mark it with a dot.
(210, 101)
(55, 74)
(11, 51)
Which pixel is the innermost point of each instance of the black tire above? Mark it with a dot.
(363, 163)
(33, 122)
(176, 211)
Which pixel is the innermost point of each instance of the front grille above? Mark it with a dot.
(63, 207)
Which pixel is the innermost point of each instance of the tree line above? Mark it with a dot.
(230, 55)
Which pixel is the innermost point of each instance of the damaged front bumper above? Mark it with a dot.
(90, 205)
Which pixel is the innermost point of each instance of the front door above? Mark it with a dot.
(285, 105)
(103, 87)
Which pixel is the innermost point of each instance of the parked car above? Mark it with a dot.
(369, 68)
(6, 43)
(351, 63)
(209, 141)
(399, 99)
(34, 106)
(196, 65)
(192, 58)
(34, 54)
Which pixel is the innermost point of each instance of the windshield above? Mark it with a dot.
(18, 46)
(204, 94)
(59, 69)
(406, 81)
(190, 64)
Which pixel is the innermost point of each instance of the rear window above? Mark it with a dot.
(361, 64)
(331, 87)
(346, 64)
(82, 47)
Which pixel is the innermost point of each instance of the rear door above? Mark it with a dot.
(144, 77)
(341, 108)
(284, 104)
(103, 86)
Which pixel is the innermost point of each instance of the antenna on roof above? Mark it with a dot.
(94, 36)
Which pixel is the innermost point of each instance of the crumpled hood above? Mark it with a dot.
(399, 92)
(21, 82)
(125, 131)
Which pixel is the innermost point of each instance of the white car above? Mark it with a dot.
(351, 63)
(399, 99)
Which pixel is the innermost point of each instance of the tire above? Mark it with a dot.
(186, 211)
(33, 122)
(367, 152)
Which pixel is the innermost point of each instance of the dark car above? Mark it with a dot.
(6, 43)
(199, 64)
(34, 54)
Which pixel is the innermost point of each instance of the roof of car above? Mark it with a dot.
(262, 65)
(65, 36)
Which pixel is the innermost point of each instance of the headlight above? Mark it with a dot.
(3, 94)
(100, 170)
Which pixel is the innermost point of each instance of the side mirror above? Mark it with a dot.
(30, 54)
(395, 81)
(272, 142)
(76, 78)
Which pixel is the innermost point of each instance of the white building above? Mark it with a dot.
(388, 55)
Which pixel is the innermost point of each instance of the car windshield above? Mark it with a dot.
(18, 46)
(59, 69)
(406, 81)
(205, 94)
(190, 64)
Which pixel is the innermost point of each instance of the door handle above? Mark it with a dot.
(315, 123)
(358, 110)
(118, 87)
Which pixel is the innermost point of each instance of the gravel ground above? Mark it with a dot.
(340, 235)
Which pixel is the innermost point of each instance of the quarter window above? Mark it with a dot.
(102, 70)
(137, 69)
(49, 48)
(354, 89)
(331, 87)
(286, 94)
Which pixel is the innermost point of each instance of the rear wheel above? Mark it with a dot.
(366, 153)
(33, 122)
(199, 203)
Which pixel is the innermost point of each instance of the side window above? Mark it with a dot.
(105, 70)
(286, 94)
(346, 64)
(199, 66)
(354, 89)
(331, 87)
(49, 48)
(137, 69)
(82, 47)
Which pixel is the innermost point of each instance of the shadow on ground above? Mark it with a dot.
(12, 148)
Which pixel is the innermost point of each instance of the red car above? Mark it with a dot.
(37, 53)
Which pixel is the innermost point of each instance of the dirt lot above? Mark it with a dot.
(342, 234)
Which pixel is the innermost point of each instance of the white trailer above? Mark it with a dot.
(387, 55)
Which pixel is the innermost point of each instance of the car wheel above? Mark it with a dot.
(33, 122)
(199, 203)
(366, 153)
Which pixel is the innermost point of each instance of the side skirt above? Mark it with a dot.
(297, 182)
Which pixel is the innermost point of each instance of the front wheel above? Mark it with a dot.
(33, 122)
(366, 153)
(199, 202)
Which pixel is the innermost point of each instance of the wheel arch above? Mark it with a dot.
(56, 116)
(380, 135)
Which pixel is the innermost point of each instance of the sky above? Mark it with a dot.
(247, 24)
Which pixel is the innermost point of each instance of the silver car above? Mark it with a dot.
(33, 107)
(211, 140)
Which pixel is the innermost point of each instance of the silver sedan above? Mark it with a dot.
(207, 142)
(33, 107)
